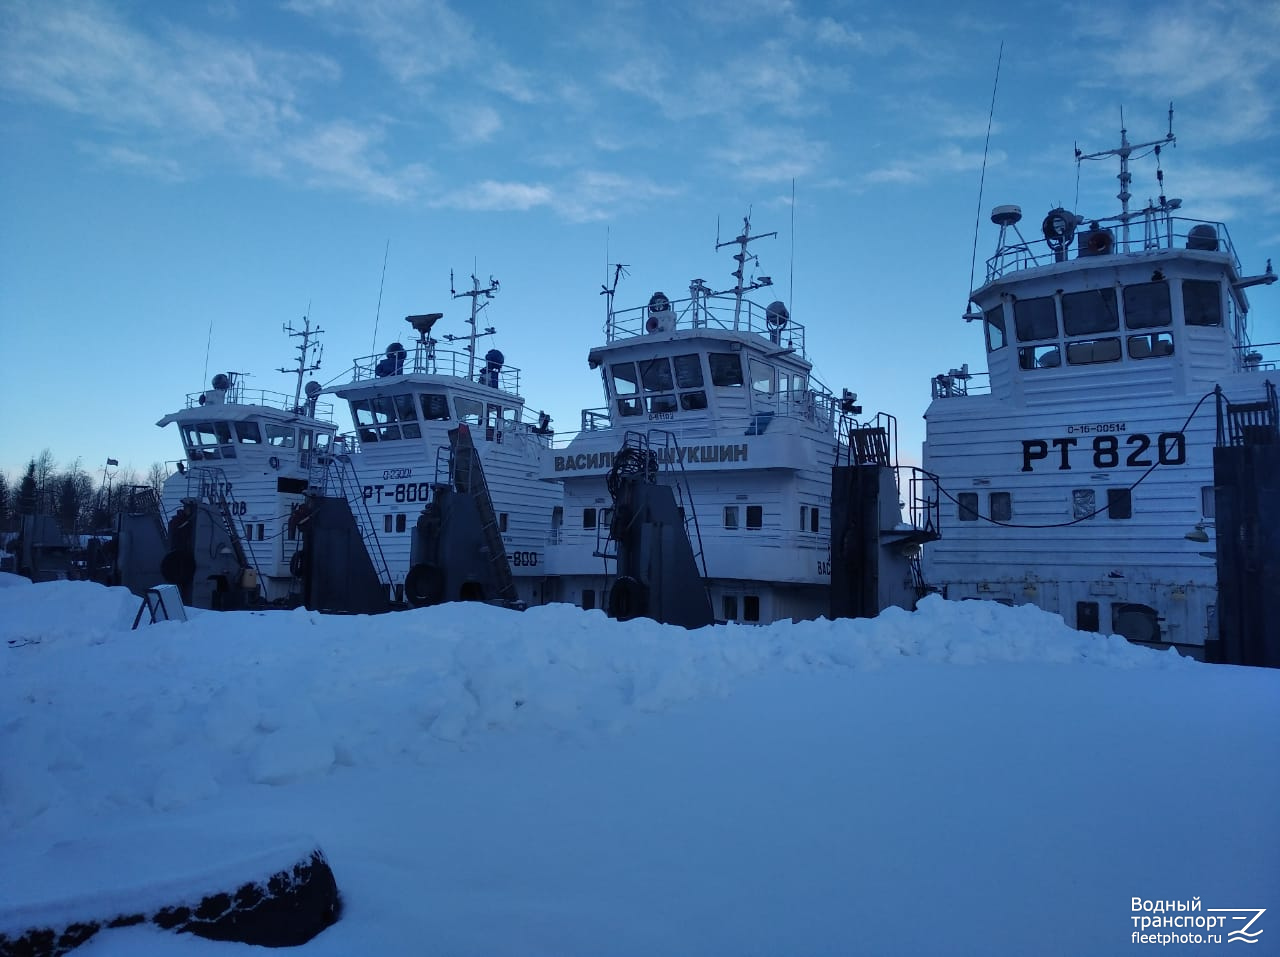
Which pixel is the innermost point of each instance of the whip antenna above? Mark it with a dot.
(378, 312)
(973, 262)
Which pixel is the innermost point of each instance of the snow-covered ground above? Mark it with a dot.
(967, 779)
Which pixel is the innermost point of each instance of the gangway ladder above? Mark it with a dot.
(1248, 423)
(468, 478)
(342, 469)
(218, 494)
(671, 460)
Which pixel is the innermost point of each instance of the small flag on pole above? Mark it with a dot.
(112, 462)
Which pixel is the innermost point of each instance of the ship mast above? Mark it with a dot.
(474, 293)
(742, 256)
(1124, 151)
(305, 348)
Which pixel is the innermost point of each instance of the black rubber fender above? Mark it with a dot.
(178, 567)
(424, 585)
(629, 598)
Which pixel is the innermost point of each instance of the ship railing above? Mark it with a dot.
(238, 395)
(1253, 358)
(1151, 228)
(422, 358)
(957, 384)
(711, 312)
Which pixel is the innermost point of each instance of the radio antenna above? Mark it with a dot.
(378, 312)
(982, 180)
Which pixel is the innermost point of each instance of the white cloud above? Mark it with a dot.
(162, 98)
(495, 196)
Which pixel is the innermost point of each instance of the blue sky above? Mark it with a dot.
(169, 167)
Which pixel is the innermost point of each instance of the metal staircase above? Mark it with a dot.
(215, 490)
(467, 477)
(334, 476)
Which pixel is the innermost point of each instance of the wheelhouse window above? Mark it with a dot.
(1039, 357)
(1035, 319)
(1201, 302)
(209, 440)
(435, 406)
(1092, 351)
(1147, 306)
(248, 433)
(655, 374)
(761, 377)
(626, 387)
(280, 436)
(688, 370)
(469, 411)
(1153, 345)
(1089, 312)
(968, 506)
(993, 324)
(726, 368)
(376, 418)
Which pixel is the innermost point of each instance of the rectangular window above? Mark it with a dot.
(1201, 302)
(625, 379)
(761, 377)
(606, 517)
(1090, 311)
(755, 516)
(804, 518)
(435, 406)
(731, 516)
(730, 604)
(248, 433)
(1087, 615)
(968, 506)
(726, 368)
(1035, 319)
(588, 518)
(386, 523)
(502, 521)
(1119, 503)
(1150, 346)
(1082, 503)
(280, 435)
(693, 401)
(1147, 306)
(400, 522)
(750, 607)
(470, 411)
(1001, 507)
(1039, 357)
(688, 372)
(813, 519)
(659, 404)
(1092, 351)
(656, 374)
(993, 321)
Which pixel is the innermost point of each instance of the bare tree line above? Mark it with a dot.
(83, 500)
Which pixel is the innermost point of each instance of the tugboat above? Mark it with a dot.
(431, 422)
(713, 395)
(248, 461)
(1080, 475)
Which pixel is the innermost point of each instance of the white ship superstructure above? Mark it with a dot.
(721, 388)
(249, 454)
(1079, 476)
(404, 402)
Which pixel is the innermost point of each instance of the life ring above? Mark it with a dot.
(274, 462)
(629, 598)
(424, 585)
(298, 564)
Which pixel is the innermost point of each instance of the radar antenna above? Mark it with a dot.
(474, 294)
(305, 348)
(742, 257)
(1124, 151)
